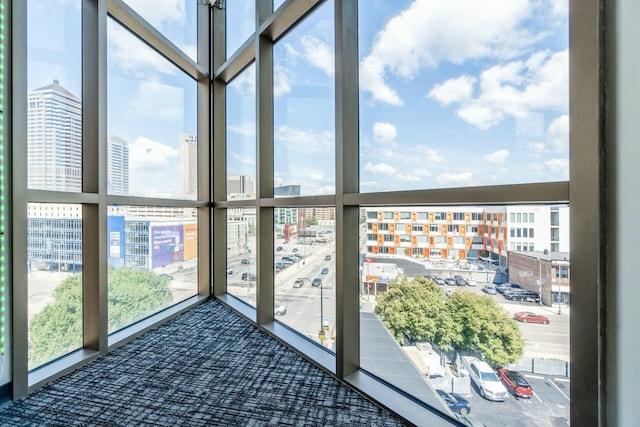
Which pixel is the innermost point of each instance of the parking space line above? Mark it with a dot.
(534, 376)
(563, 380)
(561, 392)
(536, 395)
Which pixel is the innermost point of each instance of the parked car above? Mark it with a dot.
(327, 258)
(460, 281)
(487, 381)
(298, 283)
(316, 282)
(450, 281)
(295, 250)
(249, 276)
(279, 248)
(489, 289)
(455, 402)
(439, 281)
(522, 295)
(280, 310)
(529, 317)
(325, 270)
(471, 282)
(229, 271)
(449, 292)
(248, 260)
(515, 382)
(502, 287)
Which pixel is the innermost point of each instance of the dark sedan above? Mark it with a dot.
(455, 402)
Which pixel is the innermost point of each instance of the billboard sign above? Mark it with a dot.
(167, 244)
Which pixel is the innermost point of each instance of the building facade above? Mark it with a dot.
(189, 165)
(54, 135)
(117, 165)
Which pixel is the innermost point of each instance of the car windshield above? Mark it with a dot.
(488, 376)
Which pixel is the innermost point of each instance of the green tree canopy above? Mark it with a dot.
(57, 329)
(417, 310)
(481, 324)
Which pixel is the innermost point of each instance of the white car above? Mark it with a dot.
(487, 381)
(280, 310)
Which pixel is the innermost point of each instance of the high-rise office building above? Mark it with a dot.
(189, 164)
(54, 139)
(239, 184)
(117, 165)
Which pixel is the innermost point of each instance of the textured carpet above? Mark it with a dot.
(208, 367)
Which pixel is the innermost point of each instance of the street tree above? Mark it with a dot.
(57, 329)
(482, 325)
(416, 310)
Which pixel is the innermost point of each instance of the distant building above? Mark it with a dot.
(54, 139)
(239, 184)
(189, 165)
(117, 165)
(286, 191)
(545, 272)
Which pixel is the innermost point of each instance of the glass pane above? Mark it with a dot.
(241, 23)
(241, 254)
(241, 135)
(305, 274)
(151, 120)
(153, 260)
(54, 264)
(441, 292)
(304, 119)
(277, 4)
(54, 79)
(457, 100)
(175, 19)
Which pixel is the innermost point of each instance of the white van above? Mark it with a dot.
(487, 381)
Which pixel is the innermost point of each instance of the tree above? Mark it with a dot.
(481, 324)
(57, 329)
(464, 321)
(416, 310)
(312, 220)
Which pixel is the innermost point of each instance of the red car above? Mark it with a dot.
(515, 382)
(528, 317)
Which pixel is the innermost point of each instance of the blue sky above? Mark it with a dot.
(447, 98)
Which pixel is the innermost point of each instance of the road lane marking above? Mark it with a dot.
(561, 392)
(534, 376)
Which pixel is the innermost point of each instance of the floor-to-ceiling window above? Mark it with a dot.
(112, 203)
(416, 175)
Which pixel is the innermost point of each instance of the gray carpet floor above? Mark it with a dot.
(208, 367)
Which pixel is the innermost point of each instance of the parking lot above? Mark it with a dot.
(549, 405)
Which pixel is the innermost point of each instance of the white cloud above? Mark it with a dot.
(241, 158)
(369, 185)
(281, 81)
(318, 53)
(552, 167)
(519, 88)
(558, 134)
(305, 141)
(428, 33)
(380, 168)
(132, 56)
(453, 90)
(421, 172)
(245, 129)
(384, 132)
(560, 8)
(422, 153)
(407, 178)
(145, 154)
(191, 51)
(158, 101)
(463, 178)
(158, 12)
(245, 83)
(497, 156)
